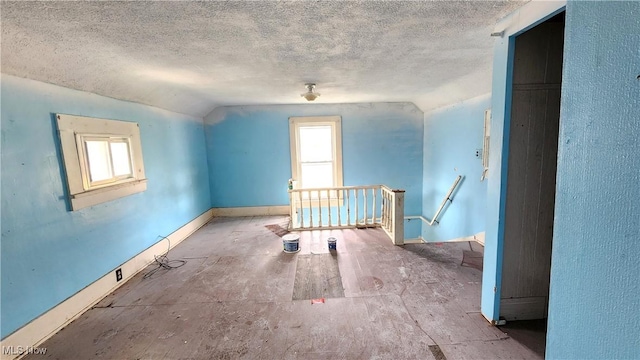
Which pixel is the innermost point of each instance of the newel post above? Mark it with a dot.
(397, 214)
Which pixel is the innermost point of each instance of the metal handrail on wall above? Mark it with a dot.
(444, 201)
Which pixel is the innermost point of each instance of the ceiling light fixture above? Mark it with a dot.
(310, 95)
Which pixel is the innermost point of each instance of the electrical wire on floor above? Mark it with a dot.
(164, 262)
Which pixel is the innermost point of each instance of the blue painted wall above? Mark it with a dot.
(49, 253)
(451, 137)
(594, 305)
(249, 153)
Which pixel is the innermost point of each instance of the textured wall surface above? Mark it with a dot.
(249, 153)
(451, 137)
(594, 307)
(50, 253)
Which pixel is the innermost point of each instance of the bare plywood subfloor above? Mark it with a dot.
(233, 300)
(472, 258)
(317, 276)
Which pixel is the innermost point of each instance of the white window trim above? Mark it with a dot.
(72, 129)
(336, 130)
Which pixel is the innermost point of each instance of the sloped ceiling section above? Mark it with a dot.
(190, 57)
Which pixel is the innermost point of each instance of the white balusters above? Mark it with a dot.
(329, 207)
(356, 207)
(310, 209)
(348, 208)
(373, 206)
(319, 207)
(364, 193)
(301, 209)
(339, 195)
(312, 203)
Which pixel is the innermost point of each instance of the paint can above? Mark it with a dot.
(291, 243)
(332, 243)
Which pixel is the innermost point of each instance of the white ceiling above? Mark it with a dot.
(190, 57)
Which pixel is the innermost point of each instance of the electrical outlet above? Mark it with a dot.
(118, 274)
(478, 153)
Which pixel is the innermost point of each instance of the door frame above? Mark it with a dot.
(523, 19)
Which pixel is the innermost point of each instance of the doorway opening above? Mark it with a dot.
(531, 179)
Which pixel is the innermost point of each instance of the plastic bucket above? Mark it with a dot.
(291, 243)
(332, 243)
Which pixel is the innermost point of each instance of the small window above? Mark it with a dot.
(107, 160)
(102, 158)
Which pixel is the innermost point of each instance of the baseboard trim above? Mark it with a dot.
(417, 240)
(46, 325)
(251, 211)
(479, 237)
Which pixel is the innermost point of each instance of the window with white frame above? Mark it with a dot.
(102, 159)
(106, 160)
(316, 152)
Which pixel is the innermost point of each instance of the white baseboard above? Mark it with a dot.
(46, 325)
(417, 240)
(479, 237)
(252, 211)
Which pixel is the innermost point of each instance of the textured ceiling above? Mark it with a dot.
(190, 57)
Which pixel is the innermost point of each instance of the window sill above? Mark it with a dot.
(108, 193)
